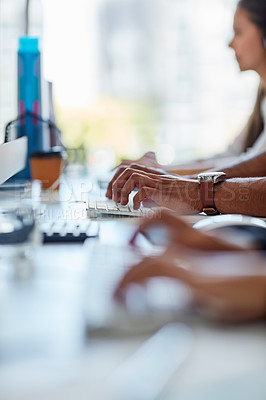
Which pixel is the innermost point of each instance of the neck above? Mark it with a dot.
(262, 74)
(263, 81)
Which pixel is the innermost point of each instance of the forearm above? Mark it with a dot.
(252, 167)
(241, 196)
(189, 168)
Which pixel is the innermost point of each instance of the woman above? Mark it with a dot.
(249, 44)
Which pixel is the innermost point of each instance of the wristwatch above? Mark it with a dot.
(206, 181)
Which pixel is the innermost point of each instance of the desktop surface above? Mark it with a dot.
(47, 352)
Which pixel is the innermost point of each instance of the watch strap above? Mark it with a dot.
(207, 197)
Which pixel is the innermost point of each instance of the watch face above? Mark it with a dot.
(207, 176)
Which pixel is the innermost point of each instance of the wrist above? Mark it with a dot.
(207, 183)
(194, 197)
(224, 197)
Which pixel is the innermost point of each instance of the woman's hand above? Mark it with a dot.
(183, 234)
(148, 160)
(230, 298)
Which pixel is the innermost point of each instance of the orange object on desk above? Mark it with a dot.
(47, 167)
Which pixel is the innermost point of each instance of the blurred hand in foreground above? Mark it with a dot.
(239, 297)
(181, 233)
(227, 280)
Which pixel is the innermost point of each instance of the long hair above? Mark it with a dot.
(255, 124)
(257, 14)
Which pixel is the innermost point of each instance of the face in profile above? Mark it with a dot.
(248, 43)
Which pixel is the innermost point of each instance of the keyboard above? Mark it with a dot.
(61, 231)
(110, 208)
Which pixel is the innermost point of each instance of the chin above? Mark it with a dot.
(243, 68)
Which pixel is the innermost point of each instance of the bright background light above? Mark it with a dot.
(69, 50)
(134, 75)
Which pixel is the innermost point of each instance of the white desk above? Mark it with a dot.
(45, 353)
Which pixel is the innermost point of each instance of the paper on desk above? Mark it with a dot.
(247, 386)
(147, 371)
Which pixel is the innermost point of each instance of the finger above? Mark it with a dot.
(180, 231)
(149, 204)
(123, 163)
(119, 171)
(132, 241)
(118, 182)
(148, 158)
(147, 193)
(144, 168)
(203, 241)
(154, 267)
(160, 217)
(122, 168)
(137, 274)
(136, 180)
(131, 179)
(150, 154)
(134, 237)
(160, 195)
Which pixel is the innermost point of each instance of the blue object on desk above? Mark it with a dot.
(29, 97)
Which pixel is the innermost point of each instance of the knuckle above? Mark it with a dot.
(134, 175)
(134, 165)
(119, 170)
(124, 191)
(115, 185)
(142, 192)
(131, 171)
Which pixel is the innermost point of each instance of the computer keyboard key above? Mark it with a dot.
(123, 208)
(68, 230)
(102, 206)
(84, 225)
(112, 207)
(91, 205)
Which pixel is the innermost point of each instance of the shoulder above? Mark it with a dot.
(263, 108)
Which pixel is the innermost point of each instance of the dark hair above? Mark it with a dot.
(255, 124)
(257, 14)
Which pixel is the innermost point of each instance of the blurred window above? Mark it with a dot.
(133, 75)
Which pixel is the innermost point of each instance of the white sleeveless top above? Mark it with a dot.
(235, 151)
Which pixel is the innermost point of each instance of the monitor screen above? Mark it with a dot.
(13, 156)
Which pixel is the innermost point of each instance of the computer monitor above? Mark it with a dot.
(13, 157)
